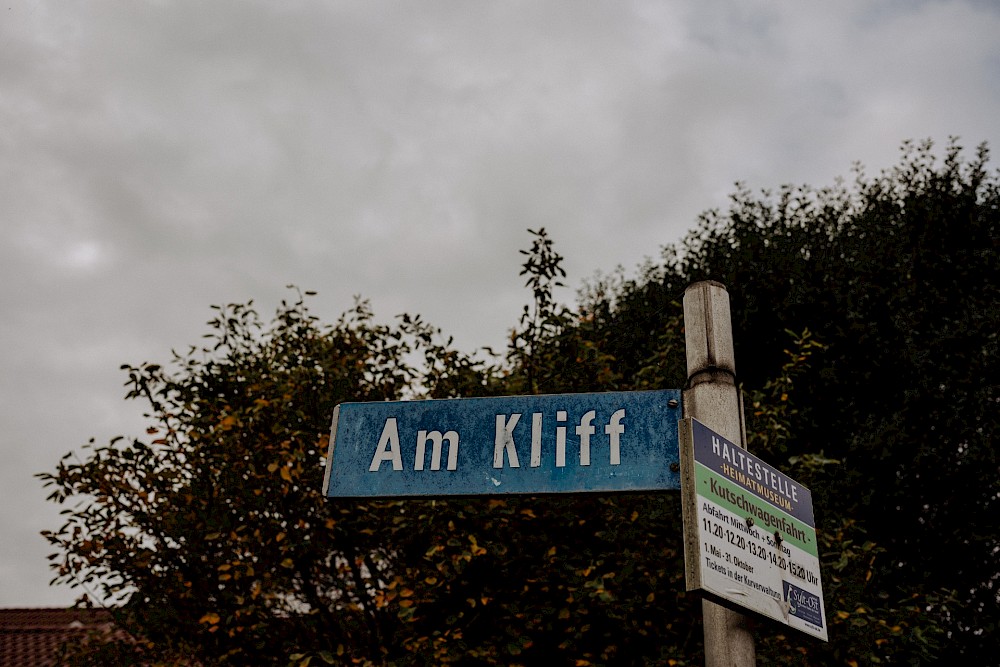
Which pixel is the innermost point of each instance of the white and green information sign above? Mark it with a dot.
(749, 532)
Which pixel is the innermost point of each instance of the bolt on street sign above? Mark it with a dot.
(556, 443)
(749, 532)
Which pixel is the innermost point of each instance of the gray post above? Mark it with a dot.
(713, 398)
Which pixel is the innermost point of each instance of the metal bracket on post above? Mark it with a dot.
(713, 397)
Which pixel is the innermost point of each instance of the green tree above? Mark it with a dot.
(213, 533)
(899, 276)
(551, 350)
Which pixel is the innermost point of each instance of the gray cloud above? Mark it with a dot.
(161, 157)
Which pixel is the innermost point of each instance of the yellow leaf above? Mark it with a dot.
(286, 474)
(210, 618)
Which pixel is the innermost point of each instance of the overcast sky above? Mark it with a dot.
(160, 157)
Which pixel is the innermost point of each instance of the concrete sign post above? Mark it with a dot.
(559, 443)
(749, 532)
(713, 397)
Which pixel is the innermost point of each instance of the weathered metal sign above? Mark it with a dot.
(557, 443)
(749, 532)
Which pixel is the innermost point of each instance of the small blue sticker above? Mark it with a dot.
(803, 604)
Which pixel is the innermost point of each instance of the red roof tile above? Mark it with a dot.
(33, 637)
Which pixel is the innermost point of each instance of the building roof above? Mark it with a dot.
(33, 637)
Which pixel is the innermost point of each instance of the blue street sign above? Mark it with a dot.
(557, 443)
